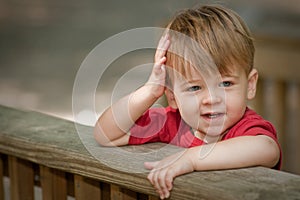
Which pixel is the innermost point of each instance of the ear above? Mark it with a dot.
(252, 82)
(171, 98)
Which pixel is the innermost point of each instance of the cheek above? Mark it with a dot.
(187, 102)
(188, 107)
(236, 103)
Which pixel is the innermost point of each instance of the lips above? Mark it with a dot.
(213, 115)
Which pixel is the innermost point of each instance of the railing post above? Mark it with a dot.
(53, 183)
(118, 193)
(105, 190)
(86, 188)
(150, 197)
(21, 178)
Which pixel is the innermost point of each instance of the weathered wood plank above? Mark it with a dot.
(86, 188)
(115, 192)
(55, 143)
(151, 197)
(21, 179)
(105, 190)
(141, 196)
(46, 182)
(118, 193)
(53, 183)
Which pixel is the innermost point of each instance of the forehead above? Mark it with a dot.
(189, 76)
(193, 74)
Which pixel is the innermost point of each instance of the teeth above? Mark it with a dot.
(212, 116)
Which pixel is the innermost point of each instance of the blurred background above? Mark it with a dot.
(43, 44)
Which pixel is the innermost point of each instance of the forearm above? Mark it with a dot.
(238, 152)
(245, 151)
(115, 122)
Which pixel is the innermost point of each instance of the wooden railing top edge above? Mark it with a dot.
(56, 143)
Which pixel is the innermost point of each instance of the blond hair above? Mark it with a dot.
(220, 32)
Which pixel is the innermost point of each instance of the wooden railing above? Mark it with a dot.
(42, 151)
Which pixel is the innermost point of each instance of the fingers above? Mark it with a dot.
(163, 45)
(159, 64)
(160, 56)
(158, 76)
(162, 182)
(158, 71)
(161, 179)
(163, 172)
(150, 165)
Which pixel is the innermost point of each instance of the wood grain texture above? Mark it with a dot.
(55, 143)
(21, 179)
(115, 192)
(86, 188)
(118, 193)
(53, 183)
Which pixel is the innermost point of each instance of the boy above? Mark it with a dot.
(207, 87)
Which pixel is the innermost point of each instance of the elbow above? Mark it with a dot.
(272, 152)
(100, 136)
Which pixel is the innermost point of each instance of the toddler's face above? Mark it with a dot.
(212, 104)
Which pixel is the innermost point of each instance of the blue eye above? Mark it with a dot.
(193, 88)
(225, 84)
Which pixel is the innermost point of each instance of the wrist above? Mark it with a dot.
(192, 154)
(154, 90)
(144, 95)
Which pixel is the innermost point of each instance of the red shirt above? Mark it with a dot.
(165, 125)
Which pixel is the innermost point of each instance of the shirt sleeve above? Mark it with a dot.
(266, 128)
(148, 127)
(260, 127)
(254, 127)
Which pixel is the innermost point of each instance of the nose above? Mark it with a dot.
(211, 98)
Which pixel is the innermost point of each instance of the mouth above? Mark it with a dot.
(213, 115)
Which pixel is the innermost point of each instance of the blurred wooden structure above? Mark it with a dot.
(278, 95)
(38, 150)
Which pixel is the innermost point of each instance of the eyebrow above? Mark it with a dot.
(230, 75)
(190, 82)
